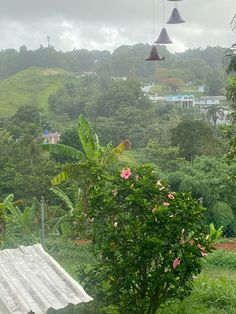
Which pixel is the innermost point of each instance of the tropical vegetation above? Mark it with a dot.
(105, 183)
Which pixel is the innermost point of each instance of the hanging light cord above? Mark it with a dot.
(153, 20)
(164, 14)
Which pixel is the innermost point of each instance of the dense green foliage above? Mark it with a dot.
(45, 70)
(118, 109)
(213, 290)
(149, 241)
(194, 138)
(25, 171)
(124, 61)
(21, 226)
(231, 96)
(208, 179)
(141, 230)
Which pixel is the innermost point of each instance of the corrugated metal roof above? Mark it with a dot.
(31, 280)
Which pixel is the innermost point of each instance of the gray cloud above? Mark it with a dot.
(107, 24)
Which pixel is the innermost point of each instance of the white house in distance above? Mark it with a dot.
(189, 101)
(51, 137)
(185, 101)
(203, 103)
(210, 100)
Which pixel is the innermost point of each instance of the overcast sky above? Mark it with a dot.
(108, 24)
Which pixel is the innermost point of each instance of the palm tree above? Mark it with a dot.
(214, 112)
(230, 67)
(230, 54)
(230, 59)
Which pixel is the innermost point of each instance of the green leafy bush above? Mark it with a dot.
(21, 226)
(222, 214)
(149, 241)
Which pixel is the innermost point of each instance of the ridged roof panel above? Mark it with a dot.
(31, 280)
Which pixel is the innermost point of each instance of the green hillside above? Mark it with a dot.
(31, 86)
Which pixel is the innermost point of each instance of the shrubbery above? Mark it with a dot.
(148, 239)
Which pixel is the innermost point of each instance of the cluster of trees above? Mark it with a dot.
(195, 66)
(180, 147)
(142, 229)
(165, 135)
(119, 110)
(116, 109)
(25, 171)
(138, 221)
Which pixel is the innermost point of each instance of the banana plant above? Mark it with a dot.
(19, 225)
(93, 152)
(64, 224)
(81, 170)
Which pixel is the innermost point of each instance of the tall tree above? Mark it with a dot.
(194, 138)
(215, 82)
(215, 112)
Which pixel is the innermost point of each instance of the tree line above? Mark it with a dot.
(194, 65)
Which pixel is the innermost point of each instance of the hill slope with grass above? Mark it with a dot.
(31, 86)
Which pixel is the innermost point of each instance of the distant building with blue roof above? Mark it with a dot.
(185, 101)
(51, 137)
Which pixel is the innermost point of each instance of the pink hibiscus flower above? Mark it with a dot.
(125, 173)
(176, 262)
(170, 196)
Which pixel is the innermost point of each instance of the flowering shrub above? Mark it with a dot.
(125, 173)
(149, 240)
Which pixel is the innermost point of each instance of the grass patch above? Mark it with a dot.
(31, 86)
(221, 259)
(213, 293)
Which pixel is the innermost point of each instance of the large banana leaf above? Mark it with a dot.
(63, 150)
(112, 155)
(69, 171)
(8, 201)
(13, 210)
(61, 177)
(86, 137)
(65, 199)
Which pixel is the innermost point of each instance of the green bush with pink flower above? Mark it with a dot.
(149, 241)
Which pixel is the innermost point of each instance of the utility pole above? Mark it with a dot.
(42, 220)
(48, 41)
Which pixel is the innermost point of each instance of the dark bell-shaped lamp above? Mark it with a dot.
(175, 17)
(154, 55)
(163, 37)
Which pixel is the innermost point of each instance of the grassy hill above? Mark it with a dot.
(31, 86)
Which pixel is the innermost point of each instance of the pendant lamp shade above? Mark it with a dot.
(163, 37)
(175, 17)
(154, 55)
